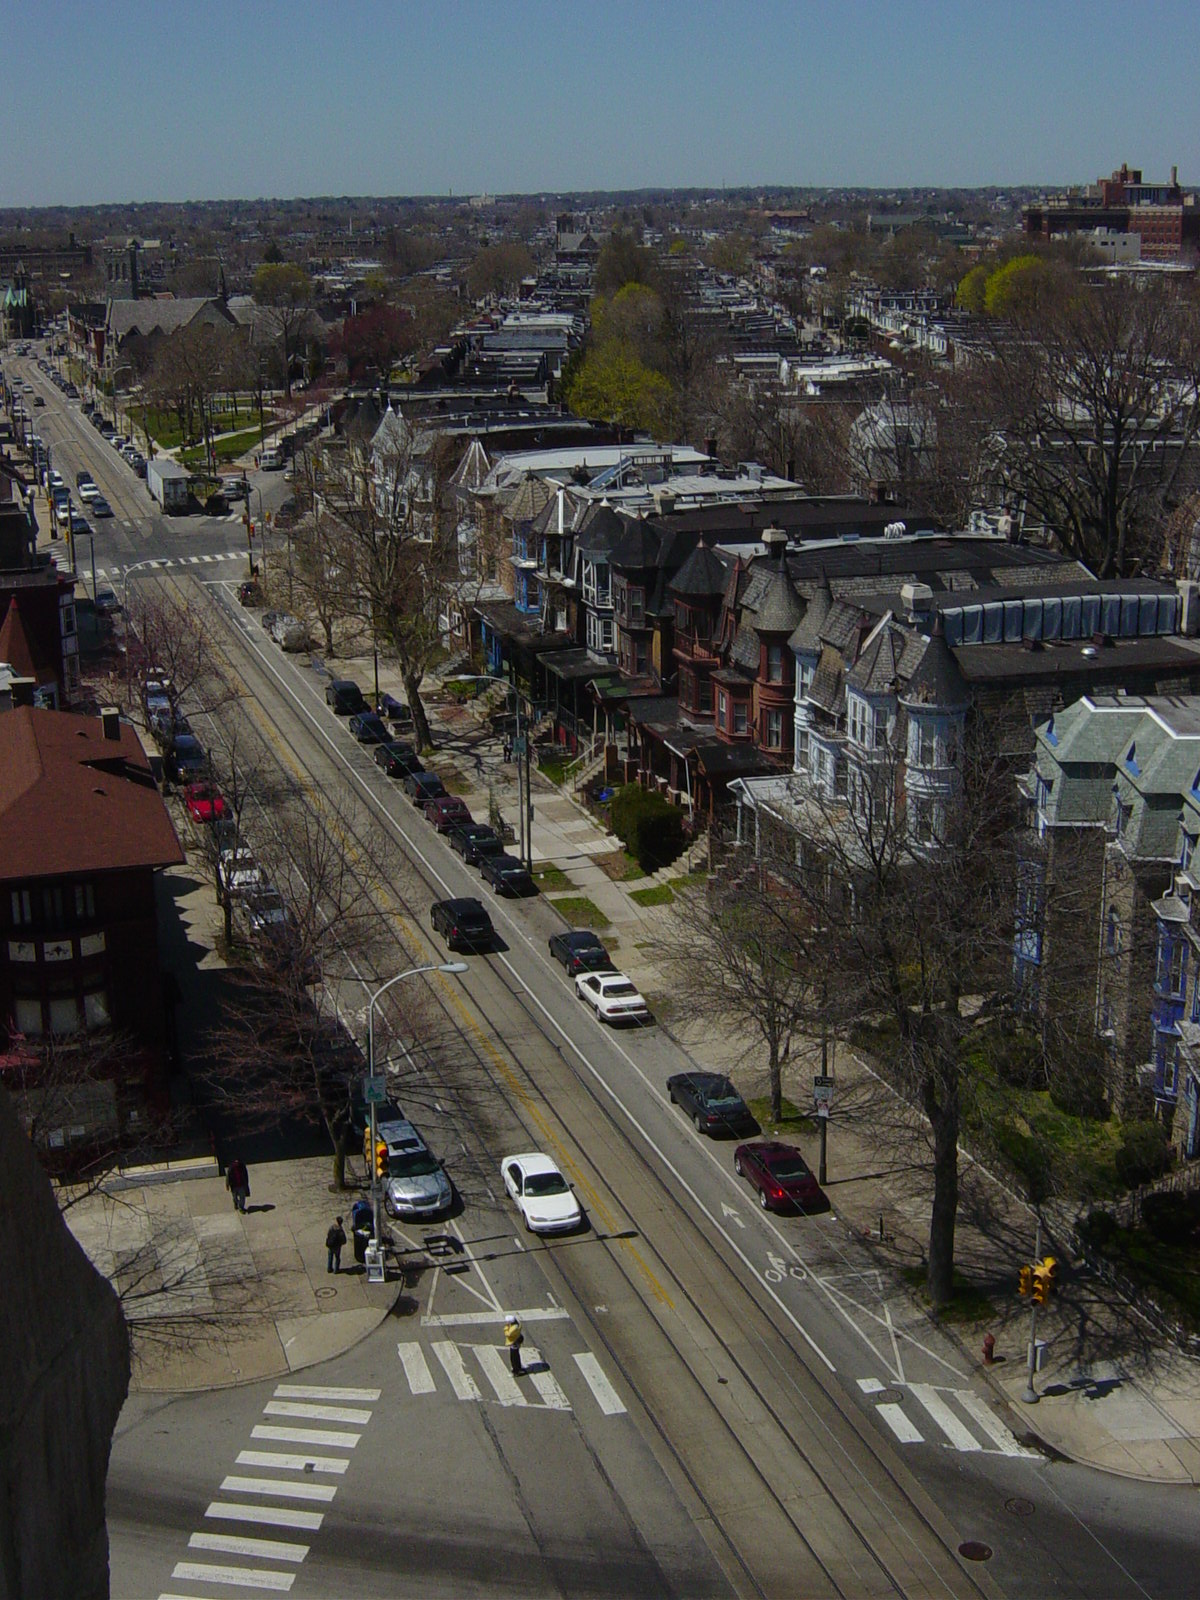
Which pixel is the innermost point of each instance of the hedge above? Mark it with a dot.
(649, 827)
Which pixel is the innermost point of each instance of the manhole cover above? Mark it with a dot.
(325, 1294)
(1019, 1507)
(973, 1550)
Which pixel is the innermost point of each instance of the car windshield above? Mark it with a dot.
(788, 1167)
(543, 1183)
(722, 1094)
(421, 1164)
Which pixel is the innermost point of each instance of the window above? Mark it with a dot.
(804, 678)
(85, 902)
(922, 820)
(27, 1014)
(95, 1009)
(723, 708)
(1172, 967)
(801, 761)
(860, 721)
(1112, 931)
(52, 905)
(64, 1014)
(774, 729)
(774, 663)
(741, 717)
(22, 908)
(926, 745)
(1187, 849)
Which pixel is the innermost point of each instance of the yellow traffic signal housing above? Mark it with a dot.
(1044, 1274)
(381, 1160)
(1050, 1269)
(1025, 1280)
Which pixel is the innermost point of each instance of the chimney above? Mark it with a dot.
(1174, 177)
(710, 446)
(775, 540)
(789, 470)
(110, 722)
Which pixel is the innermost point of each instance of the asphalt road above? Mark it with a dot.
(787, 1424)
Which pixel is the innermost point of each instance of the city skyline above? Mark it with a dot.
(530, 98)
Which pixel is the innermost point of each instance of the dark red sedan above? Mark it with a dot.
(447, 812)
(781, 1175)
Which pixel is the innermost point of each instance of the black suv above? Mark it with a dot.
(464, 924)
(344, 695)
(474, 840)
(507, 875)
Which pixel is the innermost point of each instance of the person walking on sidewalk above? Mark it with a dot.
(237, 1181)
(514, 1339)
(334, 1240)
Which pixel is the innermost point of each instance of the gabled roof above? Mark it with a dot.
(639, 547)
(166, 315)
(806, 636)
(392, 436)
(530, 497)
(15, 648)
(704, 575)
(877, 670)
(72, 801)
(472, 469)
(937, 680)
(601, 531)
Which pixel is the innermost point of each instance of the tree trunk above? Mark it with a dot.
(942, 1111)
(775, 1067)
(412, 688)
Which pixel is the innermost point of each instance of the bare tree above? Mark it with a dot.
(285, 291)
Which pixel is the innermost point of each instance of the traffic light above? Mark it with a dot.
(1045, 1274)
(1025, 1281)
(1050, 1269)
(381, 1160)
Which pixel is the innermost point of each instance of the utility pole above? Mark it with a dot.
(1031, 1396)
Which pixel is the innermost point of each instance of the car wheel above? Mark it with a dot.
(388, 1206)
(699, 1123)
(762, 1198)
(671, 1095)
(528, 1224)
(737, 1166)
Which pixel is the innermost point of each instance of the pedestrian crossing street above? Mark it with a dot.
(956, 1419)
(310, 1430)
(480, 1373)
(165, 563)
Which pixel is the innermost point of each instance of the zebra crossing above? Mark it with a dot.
(955, 1419)
(328, 1422)
(480, 1373)
(166, 563)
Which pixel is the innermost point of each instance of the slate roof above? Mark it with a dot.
(704, 575)
(806, 637)
(877, 670)
(72, 801)
(473, 468)
(167, 315)
(601, 531)
(531, 496)
(392, 434)
(936, 680)
(781, 608)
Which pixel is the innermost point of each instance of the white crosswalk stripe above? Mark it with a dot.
(269, 1516)
(313, 1391)
(948, 1412)
(280, 1488)
(416, 1368)
(496, 1370)
(240, 1577)
(607, 1397)
(322, 1436)
(281, 1461)
(238, 1544)
(315, 1413)
(544, 1381)
(537, 1387)
(461, 1381)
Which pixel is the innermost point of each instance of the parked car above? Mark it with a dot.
(238, 872)
(87, 492)
(781, 1175)
(289, 632)
(168, 724)
(138, 463)
(422, 786)
(540, 1193)
(82, 479)
(204, 802)
(579, 950)
(474, 840)
(185, 761)
(712, 1102)
(107, 604)
(367, 728)
(397, 760)
(101, 507)
(612, 996)
(269, 619)
(417, 1185)
(448, 812)
(507, 874)
(250, 593)
(79, 524)
(360, 1112)
(394, 711)
(344, 695)
(463, 923)
(235, 488)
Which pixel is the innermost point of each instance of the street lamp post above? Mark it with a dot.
(412, 972)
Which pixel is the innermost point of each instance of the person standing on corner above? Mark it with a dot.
(237, 1181)
(514, 1339)
(334, 1240)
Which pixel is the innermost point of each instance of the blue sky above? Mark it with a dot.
(131, 101)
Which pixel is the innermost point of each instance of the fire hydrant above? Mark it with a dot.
(989, 1349)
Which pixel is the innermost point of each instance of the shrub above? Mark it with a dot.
(1143, 1153)
(1028, 1156)
(1171, 1217)
(1098, 1228)
(648, 826)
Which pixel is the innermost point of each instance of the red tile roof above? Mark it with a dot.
(72, 801)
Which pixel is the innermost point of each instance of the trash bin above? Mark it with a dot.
(361, 1238)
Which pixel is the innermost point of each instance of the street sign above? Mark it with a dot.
(374, 1090)
(519, 745)
(822, 1090)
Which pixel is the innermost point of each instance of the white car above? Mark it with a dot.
(541, 1194)
(239, 873)
(612, 996)
(87, 492)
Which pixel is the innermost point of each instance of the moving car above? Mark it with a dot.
(185, 760)
(781, 1175)
(101, 507)
(417, 1185)
(474, 840)
(79, 524)
(204, 802)
(463, 923)
(712, 1102)
(422, 786)
(507, 874)
(448, 812)
(612, 996)
(541, 1194)
(344, 695)
(367, 728)
(397, 760)
(579, 950)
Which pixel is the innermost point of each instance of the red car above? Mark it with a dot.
(781, 1175)
(205, 802)
(447, 812)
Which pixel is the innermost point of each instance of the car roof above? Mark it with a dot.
(343, 683)
(533, 1161)
(580, 939)
(464, 904)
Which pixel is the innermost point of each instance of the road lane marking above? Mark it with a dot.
(461, 1381)
(242, 1577)
(284, 1488)
(544, 1381)
(496, 1371)
(958, 1434)
(896, 1420)
(416, 1369)
(325, 1436)
(315, 1413)
(315, 1391)
(237, 1544)
(270, 1516)
(291, 1463)
(475, 1319)
(870, 1385)
(605, 1395)
(986, 1418)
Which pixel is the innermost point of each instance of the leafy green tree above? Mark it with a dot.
(614, 385)
(622, 260)
(1019, 287)
(969, 295)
